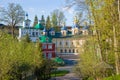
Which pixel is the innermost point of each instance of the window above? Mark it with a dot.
(60, 43)
(73, 50)
(76, 51)
(66, 43)
(61, 51)
(36, 33)
(69, 51)
(33, 33)
(49, 46)
(72, 43)
(44, 46)
(49, 55)
(65, 51)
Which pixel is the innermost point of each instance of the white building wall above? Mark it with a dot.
(30, 32)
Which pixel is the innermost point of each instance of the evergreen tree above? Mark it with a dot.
(54, 21)
(43, 20)
(35, 21)
(48, 23)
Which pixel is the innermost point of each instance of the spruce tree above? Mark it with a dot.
(43, 20)
(35, 20)
(48, 23)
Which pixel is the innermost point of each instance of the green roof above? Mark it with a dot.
(39, 26)
(45, 39)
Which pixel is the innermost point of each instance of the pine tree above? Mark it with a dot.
(35, 20)
(43, 20)
(48, 23)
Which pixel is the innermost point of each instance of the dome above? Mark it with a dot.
(45, 39)
(39, 26)
(75, 26)
(44, 30)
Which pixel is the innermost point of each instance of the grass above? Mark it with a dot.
(59, 73)
(116, 77)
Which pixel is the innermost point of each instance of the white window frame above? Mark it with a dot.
(44, 46)
(50, 46)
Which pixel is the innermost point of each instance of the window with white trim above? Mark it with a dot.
(44, 46)
(50, 46)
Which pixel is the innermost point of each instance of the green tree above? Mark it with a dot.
(54, 20)
(26, 38)
(90, 64)
(13, 15)
(43, 20)
(48, 23)
(19, 58)
(35, 21)
(105, 17)
(60, 17)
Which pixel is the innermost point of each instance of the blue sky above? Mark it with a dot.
(39, 7)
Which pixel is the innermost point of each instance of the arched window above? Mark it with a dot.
(66, 43)
(69, 51)
(61, 51)
(65, 51)
(73, 50)
(76, 51)
(60, 43)
(72, 43)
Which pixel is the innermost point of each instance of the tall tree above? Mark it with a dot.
(12, 15)
(35, 20)
(43, 20)
(54, 22)
(80, 18)
(60, 17)
(105, 16)
(48, 23)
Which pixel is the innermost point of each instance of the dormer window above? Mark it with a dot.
(66, 43)
(52, 33)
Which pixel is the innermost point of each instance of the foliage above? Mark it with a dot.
(26, 38)
(35, 21)
(60, 17)
(43, 72)
(42, 20)
(48, 23)
(13, 15)
(106, 18)
(116, 77)
(17, 58)
(58, 73)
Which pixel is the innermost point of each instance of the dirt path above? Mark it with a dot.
(69, 76)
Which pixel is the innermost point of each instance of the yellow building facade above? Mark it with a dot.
(67, 46)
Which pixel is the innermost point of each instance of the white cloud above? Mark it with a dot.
(1, 6)
(69, 10)
(43, 11)
(31, 9)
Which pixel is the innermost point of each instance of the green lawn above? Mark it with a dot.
(59, 73)
(116, 77)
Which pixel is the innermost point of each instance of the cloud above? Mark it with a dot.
(31, 9)
(43, 11)
(68, 9)
(1, 6)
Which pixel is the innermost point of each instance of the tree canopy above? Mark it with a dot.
(13, 15)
